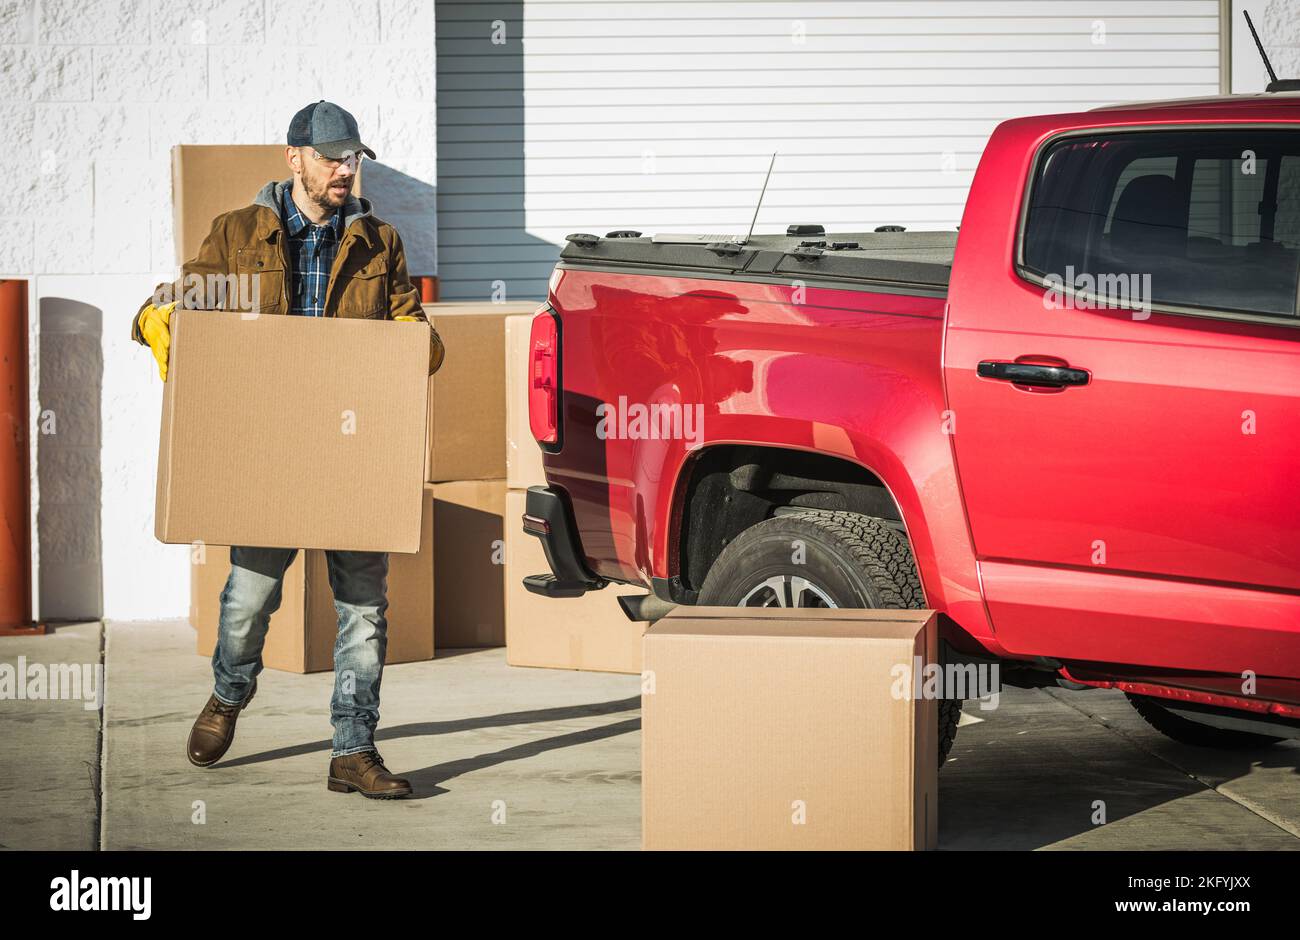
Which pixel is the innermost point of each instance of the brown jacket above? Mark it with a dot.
(368, 280)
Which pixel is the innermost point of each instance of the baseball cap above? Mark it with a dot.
(327, 129)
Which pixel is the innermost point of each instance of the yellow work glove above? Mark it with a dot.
(411, 319)
(155, 327)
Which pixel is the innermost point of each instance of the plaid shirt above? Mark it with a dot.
(312, 249)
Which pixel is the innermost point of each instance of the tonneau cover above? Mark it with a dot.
(904, 259)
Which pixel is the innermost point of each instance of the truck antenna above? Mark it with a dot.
(1272, 76)
(762, 193)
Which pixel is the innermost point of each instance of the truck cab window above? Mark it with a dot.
(1211, 217)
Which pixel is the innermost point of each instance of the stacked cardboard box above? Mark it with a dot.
(469, 559)
(467, 466)
(789, 729)
(467, 396)
(588, 632)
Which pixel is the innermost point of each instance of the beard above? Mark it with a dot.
(320, 193)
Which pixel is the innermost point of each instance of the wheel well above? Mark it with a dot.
(732, 487)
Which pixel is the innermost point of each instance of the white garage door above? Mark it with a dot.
(661, 115)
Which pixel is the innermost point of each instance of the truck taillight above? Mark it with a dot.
(544, 378)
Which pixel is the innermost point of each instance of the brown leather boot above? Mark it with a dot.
(365, 772)
(214, 730)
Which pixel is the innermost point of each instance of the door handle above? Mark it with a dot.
(1033, 374)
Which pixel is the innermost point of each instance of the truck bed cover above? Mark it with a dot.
(907, 262)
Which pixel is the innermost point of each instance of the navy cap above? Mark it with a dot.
(327, 129)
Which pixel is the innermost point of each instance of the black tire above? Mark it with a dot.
(849, 560)
(1186, 731)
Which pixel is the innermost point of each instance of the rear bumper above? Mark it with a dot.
(548, 515)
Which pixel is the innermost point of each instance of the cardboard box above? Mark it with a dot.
(523, 455)
(302, 632)
(467, 396)
(209, 179)
(780, 729)
(293, 432)
(589, 632)
(469, 563)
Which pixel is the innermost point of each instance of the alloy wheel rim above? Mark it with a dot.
(786, 590)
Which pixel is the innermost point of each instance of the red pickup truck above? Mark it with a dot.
(1072, 426)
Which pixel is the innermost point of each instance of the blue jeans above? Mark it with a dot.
(252, 594)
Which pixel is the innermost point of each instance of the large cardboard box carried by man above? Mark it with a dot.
(293, 432)
(789, 729)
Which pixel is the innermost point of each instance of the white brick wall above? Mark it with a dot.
(93, 95)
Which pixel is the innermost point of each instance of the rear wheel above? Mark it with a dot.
(817, 558)
(1186, 731)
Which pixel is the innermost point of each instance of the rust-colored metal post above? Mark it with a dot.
(15, 494)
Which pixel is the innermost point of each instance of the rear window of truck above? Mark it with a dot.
(1211, 216)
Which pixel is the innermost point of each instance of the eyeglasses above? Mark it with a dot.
(352, 159)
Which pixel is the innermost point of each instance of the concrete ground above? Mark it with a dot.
(505, 757)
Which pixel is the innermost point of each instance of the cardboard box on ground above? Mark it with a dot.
(781, 729)
(469, 563)
(587, 632)
(302, 632)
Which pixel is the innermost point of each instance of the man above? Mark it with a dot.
(310, 248)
